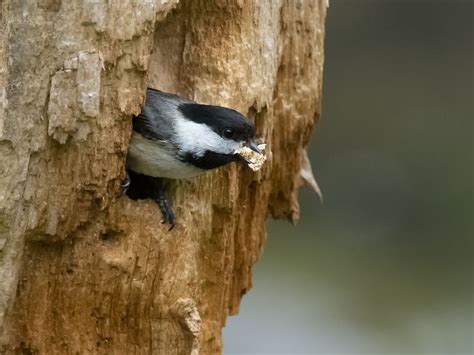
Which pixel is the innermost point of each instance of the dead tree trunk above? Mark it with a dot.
(83, 269)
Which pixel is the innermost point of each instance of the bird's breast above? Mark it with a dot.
(158, 158)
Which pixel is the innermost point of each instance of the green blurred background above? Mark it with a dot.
(385, 266)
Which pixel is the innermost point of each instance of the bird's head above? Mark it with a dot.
(211, 134)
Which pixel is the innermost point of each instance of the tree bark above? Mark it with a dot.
(83, 269)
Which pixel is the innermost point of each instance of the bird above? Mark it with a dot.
(176, 138)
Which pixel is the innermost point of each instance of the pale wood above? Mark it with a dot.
(82, 268)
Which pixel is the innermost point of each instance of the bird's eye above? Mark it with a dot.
(228, 133)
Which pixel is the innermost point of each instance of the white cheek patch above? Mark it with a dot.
(198, 138)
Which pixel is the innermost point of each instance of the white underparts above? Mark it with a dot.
(158, 159)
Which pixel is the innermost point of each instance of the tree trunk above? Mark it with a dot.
(83, 269)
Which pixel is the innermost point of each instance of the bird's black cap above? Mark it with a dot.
(220, 120)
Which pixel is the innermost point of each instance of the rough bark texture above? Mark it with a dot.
(83, 269)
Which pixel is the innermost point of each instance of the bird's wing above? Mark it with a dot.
(155, 122)
(149, 127)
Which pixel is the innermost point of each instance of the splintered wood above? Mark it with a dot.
(254, 160)
(86, 270)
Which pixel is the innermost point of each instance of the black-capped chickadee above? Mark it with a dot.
(175, 138)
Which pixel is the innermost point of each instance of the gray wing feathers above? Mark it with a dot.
(155, 122)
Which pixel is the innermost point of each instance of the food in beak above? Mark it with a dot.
(252, 154)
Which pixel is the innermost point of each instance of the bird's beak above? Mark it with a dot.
(252, 145)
